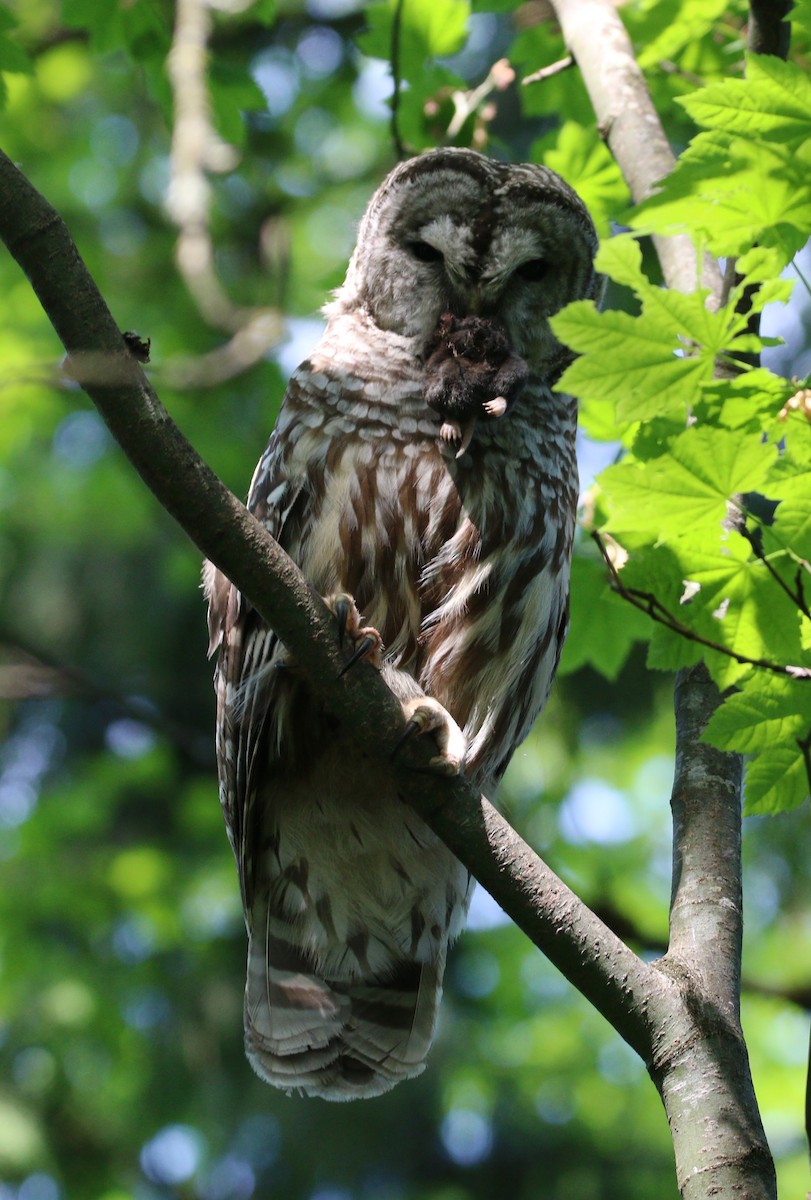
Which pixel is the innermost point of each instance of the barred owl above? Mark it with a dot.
(459, 563)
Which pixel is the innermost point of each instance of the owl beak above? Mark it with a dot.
(471, 303)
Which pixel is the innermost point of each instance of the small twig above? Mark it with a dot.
(499, 77)
(555, 68)
(647, 603)
(797, 597)
(397, 80)
(806, 284)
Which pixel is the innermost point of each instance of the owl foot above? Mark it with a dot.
(367, 642)
(426, 715)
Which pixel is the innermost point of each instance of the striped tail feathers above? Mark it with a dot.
(338, 1039)
(292, 1018)
(392, 1022)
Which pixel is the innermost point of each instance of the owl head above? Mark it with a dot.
(454, 231)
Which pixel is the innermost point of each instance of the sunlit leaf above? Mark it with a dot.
(772, 104)
(677, 494)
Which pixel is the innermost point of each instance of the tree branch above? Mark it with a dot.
(400, 148)
(35, 673)
(616, 981)
(769, 30)
(197, 151)
(630, 125)
(706, 899)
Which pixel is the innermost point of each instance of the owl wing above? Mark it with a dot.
(248, 656)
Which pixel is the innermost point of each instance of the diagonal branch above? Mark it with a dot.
(616, 981)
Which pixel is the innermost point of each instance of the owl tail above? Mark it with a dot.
(338, 1039)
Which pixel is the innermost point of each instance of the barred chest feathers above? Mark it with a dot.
(461, 564)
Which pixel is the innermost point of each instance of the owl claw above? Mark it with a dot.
(367, 641)
(368, 645)
(340, 606)
(426, 715)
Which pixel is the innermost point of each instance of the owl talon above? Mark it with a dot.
(426, 715)
(341, 606)
(367, 642)
(368, 645)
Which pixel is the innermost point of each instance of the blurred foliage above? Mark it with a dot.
(122, 1075)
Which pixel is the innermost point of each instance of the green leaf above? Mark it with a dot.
(686, 491)
(775, 781)
(579, 154)
(756, 395)
(428, 29)
(792, 521)
(726, 597)
(767, 717)
(769, 710)
(264, 11)
(681, 23)
(144, 29)
(670, 651)
(13, 58)
(772, 104)
(741, 607)
(641, 362)
(731, 193)
(604, 627)
(630, 360)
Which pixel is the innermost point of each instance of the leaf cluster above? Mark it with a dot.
(709, 501)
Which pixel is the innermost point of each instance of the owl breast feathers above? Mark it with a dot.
(460, 564)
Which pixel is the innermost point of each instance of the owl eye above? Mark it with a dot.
(534, 270)
(425, 252)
